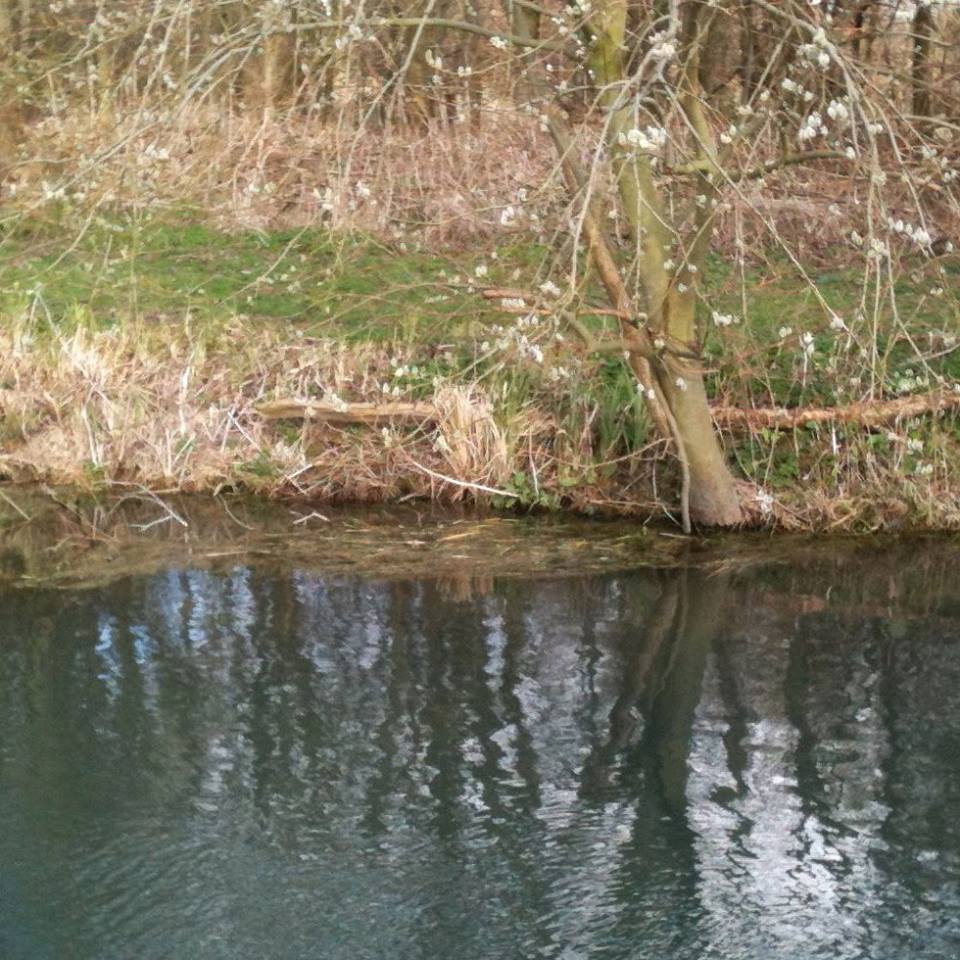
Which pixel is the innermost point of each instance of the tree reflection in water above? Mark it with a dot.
(684, 763)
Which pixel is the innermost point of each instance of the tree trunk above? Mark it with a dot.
(674, 388)
(670, 294)
(922, 33)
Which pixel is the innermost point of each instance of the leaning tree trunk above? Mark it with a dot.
(661, 341)
(670, 292)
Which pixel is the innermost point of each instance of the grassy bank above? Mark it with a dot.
(138, 351)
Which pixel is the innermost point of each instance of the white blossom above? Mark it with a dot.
(837, 110)
(662, 46)
(765, 501)
(650, 139)
(724, 319)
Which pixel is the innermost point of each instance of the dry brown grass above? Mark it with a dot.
(446, 185)
(168, 409)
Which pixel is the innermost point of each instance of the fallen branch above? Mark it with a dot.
(870, 413)
(482, 487)
(349, 414)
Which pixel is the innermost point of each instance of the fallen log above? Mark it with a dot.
(868, 413)
(349, 414)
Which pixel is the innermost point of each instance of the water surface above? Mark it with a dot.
(266, 762)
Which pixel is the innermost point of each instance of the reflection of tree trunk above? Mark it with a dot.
(636, 689)
(399, 710)
(703, 599)
(663, 682)
(637, 681)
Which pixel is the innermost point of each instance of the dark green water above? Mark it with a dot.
(255, 764)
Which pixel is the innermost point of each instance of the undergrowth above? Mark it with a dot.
(139, 353)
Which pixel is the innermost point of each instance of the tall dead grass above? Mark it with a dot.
(169, 408)
(445, 185)
(162, 406)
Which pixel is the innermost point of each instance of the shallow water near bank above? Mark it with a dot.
(219, 742)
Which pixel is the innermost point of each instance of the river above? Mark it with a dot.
(702, 760)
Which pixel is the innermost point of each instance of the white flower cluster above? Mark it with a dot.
(645, 391)
(909, 381)
(663, 46)
(522, 337)
(839, 111)
(765, 501)
(948, 174)
(919, 235)
(728, 135)
(354, 32)
(154, 154)
(338, 404)
(820, 52)
(650, 139)
(791, 86)
(499, 43)
(813, 126)
(725, 319)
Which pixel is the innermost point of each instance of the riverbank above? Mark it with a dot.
(65, 539)
(145, 357)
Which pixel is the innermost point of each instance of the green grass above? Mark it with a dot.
(756, 365)
(351, 287)
(358, 289)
